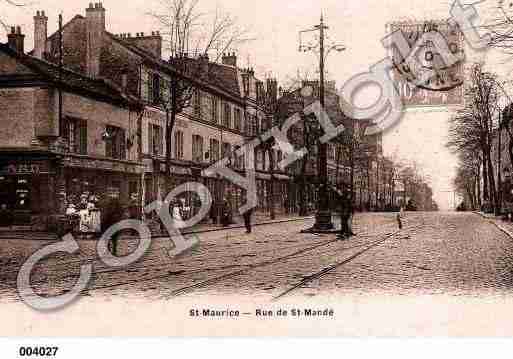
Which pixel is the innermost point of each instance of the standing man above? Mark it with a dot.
(112, 213)
(346, 214)
(247, 220)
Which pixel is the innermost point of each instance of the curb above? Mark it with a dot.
(493, 221)
(186, 232)
(241, 226)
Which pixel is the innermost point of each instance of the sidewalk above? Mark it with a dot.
(505, 226)
(258, 219)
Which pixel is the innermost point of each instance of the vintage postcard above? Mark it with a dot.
(190, 168)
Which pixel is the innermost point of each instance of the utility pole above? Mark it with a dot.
(61, 65)
(323, 221)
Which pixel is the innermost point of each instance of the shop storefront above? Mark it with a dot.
(26, 184)
(102, 178)
(38, 189)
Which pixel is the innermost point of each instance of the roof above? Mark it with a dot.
(71, 80)
(222, 78)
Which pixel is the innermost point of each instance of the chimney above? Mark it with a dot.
(204, 61)
(151, 43)
(16, 40)
(95, 28)
(40, 34)
(230, 59)
(272, 88)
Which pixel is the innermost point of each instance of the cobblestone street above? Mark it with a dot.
(436, 253)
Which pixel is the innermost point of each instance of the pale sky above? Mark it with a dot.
(358, 25)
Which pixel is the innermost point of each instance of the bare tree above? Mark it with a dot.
(474, 126)
(191, 36)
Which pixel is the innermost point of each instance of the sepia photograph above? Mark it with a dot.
(198, 168)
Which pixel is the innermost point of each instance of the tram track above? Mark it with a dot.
(338, 264)
(242, 269)
(214, 280)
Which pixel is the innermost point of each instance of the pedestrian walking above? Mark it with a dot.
(112, 213)
(399, 218)
(213, 212)
(247, 219)
(225, 213)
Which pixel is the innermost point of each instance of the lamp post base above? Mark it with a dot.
(323, 224)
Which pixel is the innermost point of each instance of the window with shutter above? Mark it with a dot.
(227, 116)
(83, 137)
(197, 148)
(214, 150)
(75, 134)
(156, 89)
(215, 113)
(115, 143)
(197, 102)
(178, 144)
(151, 145)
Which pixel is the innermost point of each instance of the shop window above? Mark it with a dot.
(197, 148)
(179, 144)
(155, 140)
(75, 135)
(115, 145)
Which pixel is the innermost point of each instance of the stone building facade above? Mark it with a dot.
(63, 136)
(225, 111)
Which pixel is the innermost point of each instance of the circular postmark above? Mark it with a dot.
(435, 57)
(506, 8)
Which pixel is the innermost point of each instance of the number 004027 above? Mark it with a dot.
(27, 351)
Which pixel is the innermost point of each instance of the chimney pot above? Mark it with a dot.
(95, 29)
(142, 34)
(16, 39)
(40, 34)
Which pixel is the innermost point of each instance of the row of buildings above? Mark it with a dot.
(84, 113)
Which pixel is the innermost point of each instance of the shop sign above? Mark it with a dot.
(25, 168)
(180, 170)
(102, 165)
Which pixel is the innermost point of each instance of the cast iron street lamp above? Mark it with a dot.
(323, 221)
